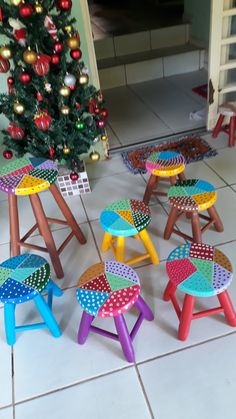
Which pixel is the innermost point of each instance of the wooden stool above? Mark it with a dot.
(198, 270)
(110, 289)
(126, 218)
(190, 197)
(28, 176)
(164, 164)
(23, 278)
(226, 110)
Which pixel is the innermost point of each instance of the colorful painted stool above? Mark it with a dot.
(226, 110)
(190, 197)
(198, 270)
(110, 289)
(23, 278)
(163, 164)
(125, 218)
(29, 176)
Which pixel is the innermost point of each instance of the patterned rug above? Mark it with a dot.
(191, 147)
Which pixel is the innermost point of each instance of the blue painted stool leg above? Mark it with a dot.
(47, 316)
(9, 319)
(53, 289)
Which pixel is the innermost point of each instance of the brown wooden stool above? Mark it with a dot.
(163, 164)
(191, 197)
(28, 176)
(226, 110)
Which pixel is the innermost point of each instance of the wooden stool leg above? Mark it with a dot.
(186, 317)
(196, 228)
(67, 214)
(170, 223)
(14, 225)
(231, 131)
(218, 126)
(181, 177)
(227, 305)
(9, 320)
(120, 249)
(151, 185)
(47, 234)
(215, 216)
(170, 289)
(172, 180)
(106, 242)
(149, 246)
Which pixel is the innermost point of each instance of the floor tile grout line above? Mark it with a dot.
(92, 232)
(13, 381)
(227, 184)
(144, 392)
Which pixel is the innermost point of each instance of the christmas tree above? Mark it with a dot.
(52, 109)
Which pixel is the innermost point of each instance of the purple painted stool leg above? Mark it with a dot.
(144, 309)
(124, 338)
(84, 327)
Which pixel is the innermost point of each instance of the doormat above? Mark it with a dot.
(191, 147)
(201, 90)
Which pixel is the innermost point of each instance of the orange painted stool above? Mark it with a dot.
(198, 270)
(29, 176)
(226, 110)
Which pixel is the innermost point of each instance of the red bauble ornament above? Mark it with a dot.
(42, 120)
(104, 112)
(100, 123)
(78, 105)
(58, 47)
(55, 59)
(10, 81)
(42, 66)
(72, 88)
(20, 35)
(7, 154)
(64, 5)
(51, 152)
(74, 176)
(4, 65)
(25, 77)
(76, 54)
(39, 97)
(97, 110)
(92, 105)
(15, 132)
(25, 10)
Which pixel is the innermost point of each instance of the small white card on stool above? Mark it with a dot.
(70, 187)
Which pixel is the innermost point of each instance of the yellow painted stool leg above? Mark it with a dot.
(149, 246)
(106, 242)
(120, 249)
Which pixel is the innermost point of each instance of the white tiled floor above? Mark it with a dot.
(44, 377)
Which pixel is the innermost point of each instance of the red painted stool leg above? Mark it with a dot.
(170, 289)
(227, 305)
(218, 126)
(186, 317)
(196, 228)
(231, 131)
(173, 215)
(14, 225)
(173, 180)
(181, 177)
(216, 218)
(151, 185)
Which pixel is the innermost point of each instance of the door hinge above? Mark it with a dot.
(211, 92)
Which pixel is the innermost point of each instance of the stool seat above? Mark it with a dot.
(228, 109)
(125, 217)
(27, 176)
(192, 195)
(165, 163)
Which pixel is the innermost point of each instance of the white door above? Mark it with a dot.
(222, 57)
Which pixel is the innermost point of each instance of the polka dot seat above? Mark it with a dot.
(23, 278)
(191, 197)
(198, 270)
(126, 218)
(29, 176)
(109, 289)
(163, 164)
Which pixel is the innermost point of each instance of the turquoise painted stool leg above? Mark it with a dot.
(52, 289)
(47, 315)
(9, 319)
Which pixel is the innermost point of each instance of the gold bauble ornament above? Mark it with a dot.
(68, 28)
(38, 8)
(103, 137)
(94, 156)
(6, 52)
(15, 2)
(83, 78)
(29, 56)
(65, 110)
(64, 91)
(73, 42)
(18, 108)
(66, 149)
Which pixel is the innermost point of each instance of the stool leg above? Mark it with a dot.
(218, 126)
(227, 305)
(67, 214)
(124, 338)
(170, 223)
(196, 228)
(47, 234)
(172, 180)
(9, 320)
(85, 324)
(142, 306)
(186, 316)
(47, 315)
(170, 289)
(120, 249)
(215, 216)
(231, 131)
(149, 246)
(181, 177)
(151, 185)
(106, 242)
(14, 225)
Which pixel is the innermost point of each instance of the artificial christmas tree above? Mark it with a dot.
(52, 109)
